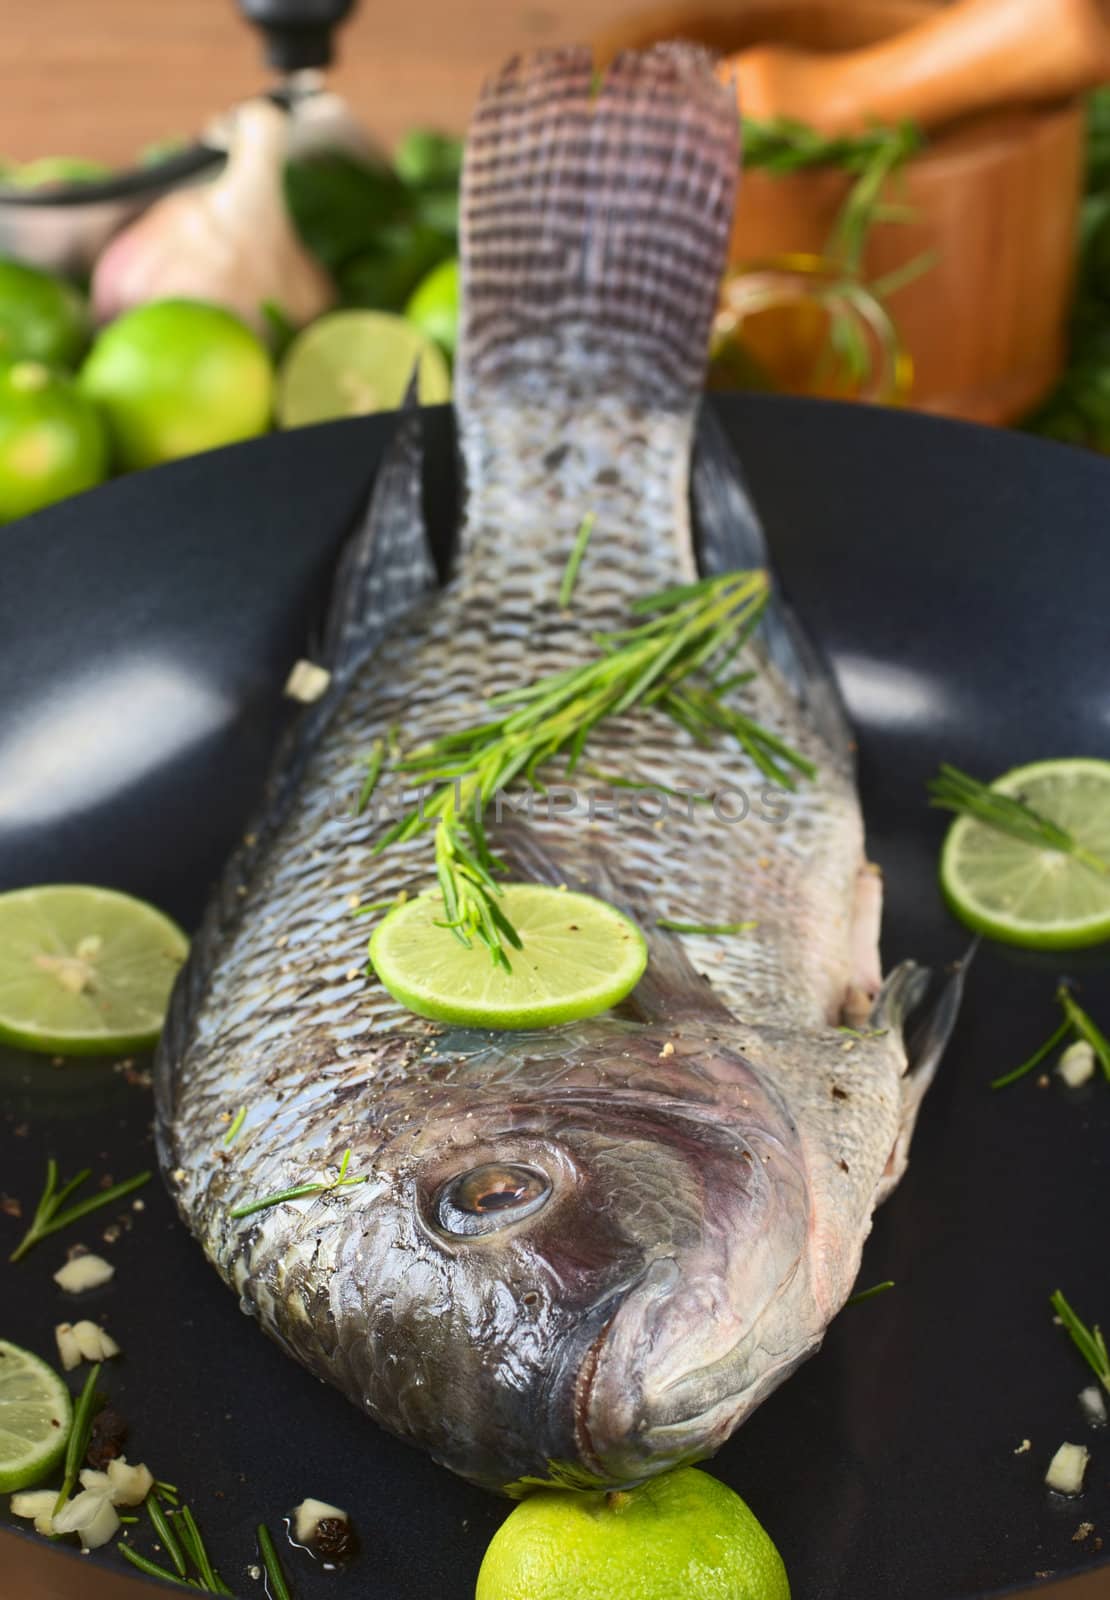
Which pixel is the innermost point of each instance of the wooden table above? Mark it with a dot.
(104, 77)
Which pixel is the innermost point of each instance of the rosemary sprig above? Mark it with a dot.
(278, 1588)
(1088, 1341)
(1077, 1022)
(237, 1122)
(783, 145)
(689, 629)
(79, 1434)
(869, 1294)
(574, 560)
(703, 927)
(301, 1191)
(50, 1218)
(953, 790)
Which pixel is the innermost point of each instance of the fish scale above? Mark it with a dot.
(693, 1174)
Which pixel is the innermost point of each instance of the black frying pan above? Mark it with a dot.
(957, 578)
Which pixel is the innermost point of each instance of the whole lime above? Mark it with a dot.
(57, 171)
(41, 318)
(178, 376)
(52, 440)
(433, 306)
(684, 1536)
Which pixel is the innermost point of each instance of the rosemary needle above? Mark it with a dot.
(703, 927)
(1088, 1341)
(151, 1568)
(574, 560)
(79, 1434)
(50, 1218)
(279, 1589)
(869, 1294)
(240, 1118)
(161, 1524)
(302, 1191)
(198, 1554)
(374, 763)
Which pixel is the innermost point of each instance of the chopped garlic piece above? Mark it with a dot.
(129, 1485)
(308, 1516)
(69, 1353)
(307, 682)
(1093, 1403)
(93, 1343)
(1077, 1064)
(84, 1272)
(37, 1504)
(92, 1479)
(1067, 1468)
(90, 1514)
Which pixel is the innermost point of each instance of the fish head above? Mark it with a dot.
(599, 1266)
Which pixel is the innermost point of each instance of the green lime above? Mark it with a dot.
(35, 1417)
(579, 956)
(52, 439)
(41, 318)
(1023, 893)
(434, 305)
(54, 171)
(353, 362)
(175, 377)
(84, 971)
(684, 1536)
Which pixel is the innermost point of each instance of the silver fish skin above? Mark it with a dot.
(584, 1254)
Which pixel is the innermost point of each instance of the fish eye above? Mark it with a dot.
(490, 1197)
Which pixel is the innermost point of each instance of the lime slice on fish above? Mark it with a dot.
(1020, 892)
(579, 956)
(35, 1417)
(354, 362)
(84, 971)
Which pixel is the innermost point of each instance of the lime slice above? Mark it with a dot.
(579, 956)
(354, 362)
(35, 1416)
(1021, 893)
(84, 971)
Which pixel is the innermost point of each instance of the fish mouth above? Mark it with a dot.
(632, 1423)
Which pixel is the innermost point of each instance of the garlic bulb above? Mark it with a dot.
(229, 241)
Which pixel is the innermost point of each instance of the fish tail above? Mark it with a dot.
(595, 215)
(594, 224)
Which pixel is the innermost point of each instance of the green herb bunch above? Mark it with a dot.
(679, 661)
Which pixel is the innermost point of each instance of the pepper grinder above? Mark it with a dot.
(299, 46)
(298, 33)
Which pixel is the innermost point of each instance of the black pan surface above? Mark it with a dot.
(958, 579)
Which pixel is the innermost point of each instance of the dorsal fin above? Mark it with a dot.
(729, 536)
(386, 563)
